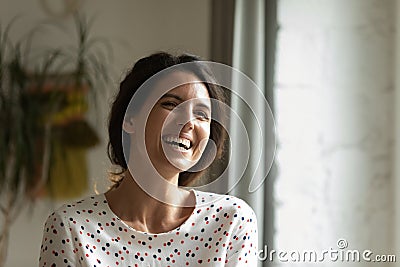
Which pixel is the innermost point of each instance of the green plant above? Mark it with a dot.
(38, 112)
(19, 117)
(89, 56)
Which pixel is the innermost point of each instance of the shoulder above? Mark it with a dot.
(230, 205)
(84, 207)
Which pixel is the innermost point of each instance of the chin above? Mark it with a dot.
(182, 165)
(179, 161)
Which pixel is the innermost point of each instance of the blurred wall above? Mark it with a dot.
(136, 28)
(396, 188)
(335, 89)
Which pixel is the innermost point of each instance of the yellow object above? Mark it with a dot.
(68, 173)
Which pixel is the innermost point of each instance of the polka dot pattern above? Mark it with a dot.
(221, 231)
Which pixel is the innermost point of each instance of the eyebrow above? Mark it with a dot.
(173, 96)
(181, 99)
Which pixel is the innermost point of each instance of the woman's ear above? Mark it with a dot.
(129, 125)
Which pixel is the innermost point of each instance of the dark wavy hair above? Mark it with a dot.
(142, 70)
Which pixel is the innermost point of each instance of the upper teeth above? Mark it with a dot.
(178, 140)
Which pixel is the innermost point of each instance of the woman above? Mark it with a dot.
(164, 130)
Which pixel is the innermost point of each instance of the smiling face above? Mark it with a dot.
(178, 128)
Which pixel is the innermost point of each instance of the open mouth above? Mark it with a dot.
(181, 144)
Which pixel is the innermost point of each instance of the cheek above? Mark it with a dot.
(153, 129)
(205, 131)
(155, 120)
(203, 136)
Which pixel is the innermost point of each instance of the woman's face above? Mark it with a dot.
(178, 127)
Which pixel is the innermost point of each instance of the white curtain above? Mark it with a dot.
(255, 58)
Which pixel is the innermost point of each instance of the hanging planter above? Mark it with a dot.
(71, 136)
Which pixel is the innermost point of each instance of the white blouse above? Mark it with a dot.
(221, 231)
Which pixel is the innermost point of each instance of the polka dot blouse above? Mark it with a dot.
(221, 231)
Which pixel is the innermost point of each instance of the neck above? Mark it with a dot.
(144, 212)
(161, 185)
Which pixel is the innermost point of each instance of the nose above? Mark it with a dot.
(188, 126)
(185, 118)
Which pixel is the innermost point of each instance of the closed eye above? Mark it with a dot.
(202, 115)
(169, 105)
